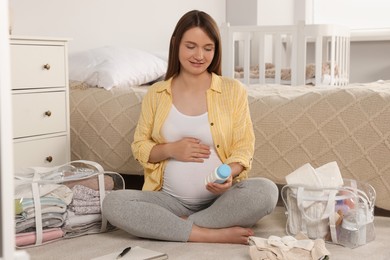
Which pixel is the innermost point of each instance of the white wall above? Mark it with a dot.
(275, 12)
(145, 24)
(370, 61)
(259, 12)
(357, 14)
(235, 10)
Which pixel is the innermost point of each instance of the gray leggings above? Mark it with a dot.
(157, 215)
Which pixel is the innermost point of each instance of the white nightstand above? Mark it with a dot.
(40, 96)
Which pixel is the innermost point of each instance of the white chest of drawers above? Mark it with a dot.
(40, 92)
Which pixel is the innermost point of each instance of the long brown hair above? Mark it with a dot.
(190, 20)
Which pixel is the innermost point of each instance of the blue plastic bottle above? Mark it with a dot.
(220, 174)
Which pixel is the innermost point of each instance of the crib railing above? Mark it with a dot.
(332, 46)
(287, 49)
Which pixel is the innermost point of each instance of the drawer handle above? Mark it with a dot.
(46, 66)
(49, 159)
(48, 113)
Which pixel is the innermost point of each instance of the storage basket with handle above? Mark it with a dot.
(343, 215)
(61, 202)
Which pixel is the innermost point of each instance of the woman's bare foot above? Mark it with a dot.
(233, 235)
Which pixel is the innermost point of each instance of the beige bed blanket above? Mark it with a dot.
(102, 125)
(298, 125)
(293, 126)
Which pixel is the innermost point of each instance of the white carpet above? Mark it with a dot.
(90, 246)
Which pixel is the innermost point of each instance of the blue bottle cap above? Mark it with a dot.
(224, 171)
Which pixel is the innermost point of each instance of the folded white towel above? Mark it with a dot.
(327, 175)
(330, 175)
(304, 175)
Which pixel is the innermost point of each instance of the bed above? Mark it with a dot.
(349, 124)
(106, 89)
(102, 125)
(287, 54)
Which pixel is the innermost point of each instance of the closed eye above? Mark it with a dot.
(208, 47)
(190, 46)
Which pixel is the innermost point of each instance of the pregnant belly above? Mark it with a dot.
(185, 180)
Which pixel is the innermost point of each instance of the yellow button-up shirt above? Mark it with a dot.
(228, 115)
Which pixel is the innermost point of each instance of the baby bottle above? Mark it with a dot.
(220, 174)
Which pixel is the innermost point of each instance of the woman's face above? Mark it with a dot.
(196, 51)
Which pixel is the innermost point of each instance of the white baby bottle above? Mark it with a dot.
(220, 174)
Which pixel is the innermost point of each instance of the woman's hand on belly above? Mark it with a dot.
(219, 188)
(189, 149)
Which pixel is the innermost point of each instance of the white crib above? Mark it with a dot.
(292, 55)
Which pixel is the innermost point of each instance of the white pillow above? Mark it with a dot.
(111, 66)
(162, 55)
